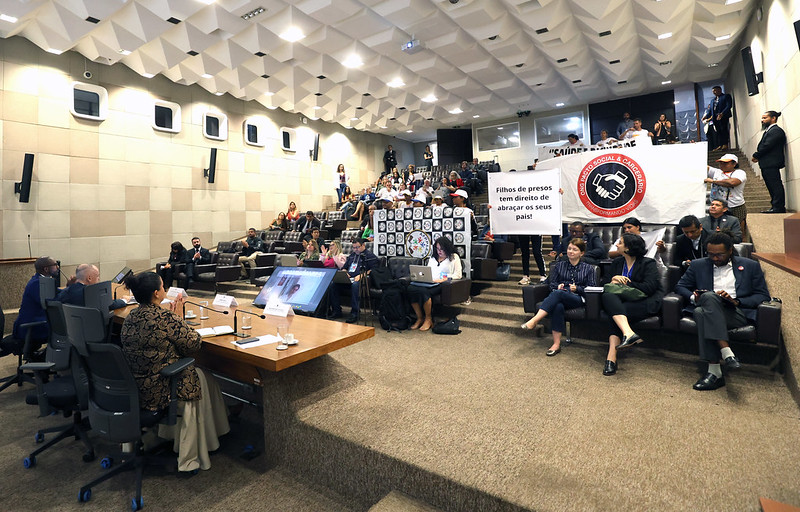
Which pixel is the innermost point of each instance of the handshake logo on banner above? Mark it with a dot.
(611, 185)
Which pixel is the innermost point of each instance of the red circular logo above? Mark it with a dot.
(611, 185)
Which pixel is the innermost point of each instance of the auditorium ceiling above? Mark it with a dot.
(343, 60)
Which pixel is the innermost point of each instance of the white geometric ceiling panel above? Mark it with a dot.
(489, 58)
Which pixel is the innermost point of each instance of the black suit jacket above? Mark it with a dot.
(751, 287)
(684, 249)
(769, 152)
(73, 294)
(390, 158)
(302, 222)
(644, 277)
(205, 256)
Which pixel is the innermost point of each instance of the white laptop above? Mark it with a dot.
(421, 274)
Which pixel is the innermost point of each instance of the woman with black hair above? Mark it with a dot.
(177, 254)
(636, 296)
(446, 266)
(154, 337)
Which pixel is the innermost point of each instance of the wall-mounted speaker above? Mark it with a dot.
(315, 150)
(23, 188)
(211, 172)
(797, 32)
(750, 76)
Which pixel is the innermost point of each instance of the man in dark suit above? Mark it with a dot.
(770, 158)
(724, 291)
(85, 275)
(389, 160)
(308, 225)
(595, 249)
(197, 255)
(719, 113)
(719, 219)
(689, 246)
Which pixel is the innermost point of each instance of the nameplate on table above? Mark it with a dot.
(225, 301)
(279, 309)
(219, 330)
(174, 292)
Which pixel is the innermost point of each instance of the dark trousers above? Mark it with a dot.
(556, 303)
(614, 305)
(714, 317)
(772, 179)
(336, 303)
(723, 135)
(524, 247)
(167, 275)
(421, 294)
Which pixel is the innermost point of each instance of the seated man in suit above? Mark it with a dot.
(197, 255)
(307, 226)
(251, 247)
(718, 220)
(724, 290)
(85, 275)
(691, 245)
(359, 260)
(31, 310)
(595, 249)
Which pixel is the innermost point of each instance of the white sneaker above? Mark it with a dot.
(543, 279)
(525, 280)
(467, 302)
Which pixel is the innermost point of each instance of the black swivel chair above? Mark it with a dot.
(23, 350)
(114, 412)
(60, 387)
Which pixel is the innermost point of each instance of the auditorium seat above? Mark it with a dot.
(226, 268)
(483, 266)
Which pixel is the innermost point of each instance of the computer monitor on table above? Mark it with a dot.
(301, 287)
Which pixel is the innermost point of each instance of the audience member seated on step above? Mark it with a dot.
(306, 225)
(332, 256)
(438, 198)
(368, 225)
(446, 266)
(280, 224)
(153, 337)
(360, 260)
(85, 275)
(197, 255)
(177, 255)
(292, 213)
(252, 246)
(632, 225)
(315, 236)
(349, 203)
(727, 183)
(595, 249)
(31, 310)
(368, 196)
(358, 214)
(636, 296)
(689, 246)
(425, 192)
(404, 199)
(310, 254)
(723, 290)
(719, 220)
(567, 283)
(396, 178)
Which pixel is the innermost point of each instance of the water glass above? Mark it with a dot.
(282, 330)
(203, 312)
(247, 322)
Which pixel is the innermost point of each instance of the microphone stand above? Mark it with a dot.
(201, 306)
(235, 330)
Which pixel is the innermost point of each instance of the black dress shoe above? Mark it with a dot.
(334, 315)
(610, 368)
(709, 383)
(629, 341)
(773, 210)
(352, 319)
(732, 362)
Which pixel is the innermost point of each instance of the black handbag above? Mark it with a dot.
(447, 327)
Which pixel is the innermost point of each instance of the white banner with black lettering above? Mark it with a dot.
(525, 203)
(546, 152)
(656, 184)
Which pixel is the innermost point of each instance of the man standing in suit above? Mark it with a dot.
(719, 112)
(389, 160)
(197, 255)
(770, 158)
(724, 291)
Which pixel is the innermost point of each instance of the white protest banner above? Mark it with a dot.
(548, 152)
(525, 202)
(656, 184)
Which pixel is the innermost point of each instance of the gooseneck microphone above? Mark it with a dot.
(224, 312)
(235, 330)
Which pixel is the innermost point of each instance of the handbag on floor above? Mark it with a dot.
(447, 327)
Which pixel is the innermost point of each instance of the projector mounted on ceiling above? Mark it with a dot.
(412, 46)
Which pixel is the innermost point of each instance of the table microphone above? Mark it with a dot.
(241, 334)
(200, 305)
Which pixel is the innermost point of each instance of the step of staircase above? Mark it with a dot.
(397, 501)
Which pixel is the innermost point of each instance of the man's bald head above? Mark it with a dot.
(87, 274)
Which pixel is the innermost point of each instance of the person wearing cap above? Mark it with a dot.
(770, 158)
(404, 199)
(418, 202)
(724, 292)
(719, 220)
(460, 197)
(438, 198)
(727, 182)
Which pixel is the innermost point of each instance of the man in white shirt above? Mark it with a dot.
(727, 183)
(636, 131)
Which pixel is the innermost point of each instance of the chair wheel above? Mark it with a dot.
(84, 495)
(29, 462)
(137, 504)
(89, 456)
(106, 462)
(38, 437)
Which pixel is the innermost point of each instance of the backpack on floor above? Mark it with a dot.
(393, 311)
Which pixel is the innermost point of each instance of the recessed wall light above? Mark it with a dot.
(409, 131)
(676, 102)
(123, 52)
(476, 116)
(713, 64)
(148, 75)
(53, 50)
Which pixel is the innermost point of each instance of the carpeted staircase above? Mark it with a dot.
(756, 196)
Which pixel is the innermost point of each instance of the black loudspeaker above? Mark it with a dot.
(750, 72)
(23, 188)
(211, 172)
(797, 32)
(315, 151)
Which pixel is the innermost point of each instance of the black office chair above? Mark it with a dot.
(114, 412)
(60, 387)
(23, 350)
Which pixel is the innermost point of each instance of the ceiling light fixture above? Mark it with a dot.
(354, 119)
(666, 82)
(269, 93)
(53, 50)
(456, 111)
(218, 93)
(148, 75)
(676, 102)
(353, 61)
(559, 104)
(207, 2)
(665, 35)
(292, 34)
(722, 38)
(713, 64)
(476, 116)
(123, 52)
(396, 83)
(429, 98)
(206, 75)
(6, 17)
(253, 13)
(409, 131)
(729, 2)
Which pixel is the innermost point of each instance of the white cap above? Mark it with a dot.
(405, 192)
(460, 192)
(728, 157)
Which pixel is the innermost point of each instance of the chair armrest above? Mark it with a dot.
(37, 367)
(32, 324)
(455, 292)
(176, 367)
(768, 323)
(256, 272)
(227, 273)
(173, 372)
(204, 268)
(532, 295)
(594, 304)
(672, 311)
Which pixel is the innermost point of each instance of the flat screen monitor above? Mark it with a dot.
(302, 288)
(122, 275)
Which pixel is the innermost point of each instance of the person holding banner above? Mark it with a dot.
(636, 131)
(605, 139)
(567, 283)
(633, 293)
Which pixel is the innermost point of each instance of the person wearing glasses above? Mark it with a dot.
(595, 249)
